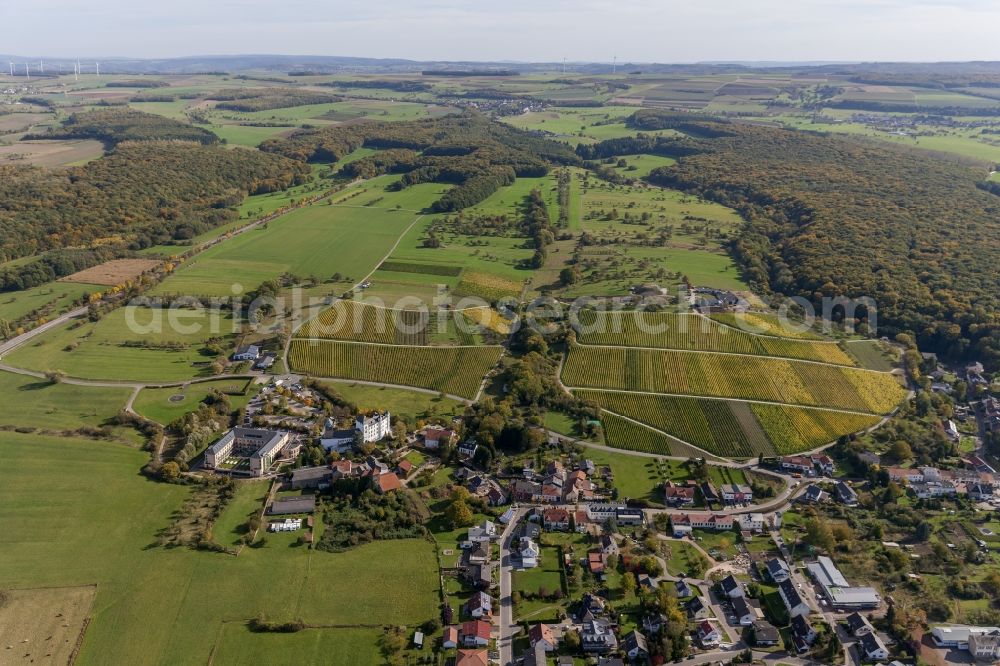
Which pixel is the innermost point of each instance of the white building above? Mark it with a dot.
(374, 427)
(529, 552)
(260, 447)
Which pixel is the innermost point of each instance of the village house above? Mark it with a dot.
(794, 603)
(708, 634)
(823, 463)
(580, 521)
(467, 449)
(529, 552)
(752, 522)
(601, 512)
(635, 646)
(629, 517)
(731, 587)
(450, 638)
(765, 634)
(479, 606)
(248, 353)
(803, 634)
(872, 648)
(478, 555)
(709, 493)
(678, 495)
(474, 633)
(386, 483)
(542, 634)
(597, 637)
(556, 519)
(436, 436)
(697, 609)
(484, 531)
(813, 495)
(777, 570)
(472, 658)
(745, 613)
(798, 465)
(683, 523)
(857, 624)
(374, 426)
(846, 494)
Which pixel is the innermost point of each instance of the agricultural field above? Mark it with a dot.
(164, 405)
(734, 429)
(311, 241)
(358, 322)
(332, 646)
(694, 332)
(53, 545)
(130, 343)
(110, 273)
(52, 154)
(874, 354)
(31, 402)
(729, 376)
(456, 370)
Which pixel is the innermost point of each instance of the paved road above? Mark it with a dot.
(19, 340)
(507, 626)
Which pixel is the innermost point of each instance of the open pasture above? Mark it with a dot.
(38, 403)
(729, 376)
(44, 625)
(455, 370)
(53, 544)
(130, 343)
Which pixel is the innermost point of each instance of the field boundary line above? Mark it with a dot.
(715, 397)
(724, 353)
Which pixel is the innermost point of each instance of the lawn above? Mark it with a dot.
(178, 599)
(248, 501)
(38, 403)
(318, 240)
(166, 404)
(684, 558)
(108, 349)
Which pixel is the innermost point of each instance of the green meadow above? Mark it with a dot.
(37, 402)
(98, 525)
(56, 297)
(108, 349)
(318, 240)
(164, 405)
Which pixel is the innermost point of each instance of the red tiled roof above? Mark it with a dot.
(343, 466)
(555, 515)
(472, 658)
(476, 628)
(388, 482)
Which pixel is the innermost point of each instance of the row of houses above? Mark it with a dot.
(380, 475)
(930, 482)
(557, 485)
(683, 524)
(684, 494)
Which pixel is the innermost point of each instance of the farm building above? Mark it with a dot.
(301, 504)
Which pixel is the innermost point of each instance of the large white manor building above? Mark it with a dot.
(374, 427)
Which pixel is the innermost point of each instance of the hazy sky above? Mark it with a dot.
(527, 30)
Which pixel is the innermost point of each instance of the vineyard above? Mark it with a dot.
(763, 323)
(794, 429)
(729, 429)
(623, 434)
(358, 322)
(669, 330)
(489, 319)
(740, 377)
(708, 424)
(487, 286)
(455, 370)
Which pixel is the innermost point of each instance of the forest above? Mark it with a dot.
(831, 216)
(182, 190)
(468, 150)
(115, 125)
